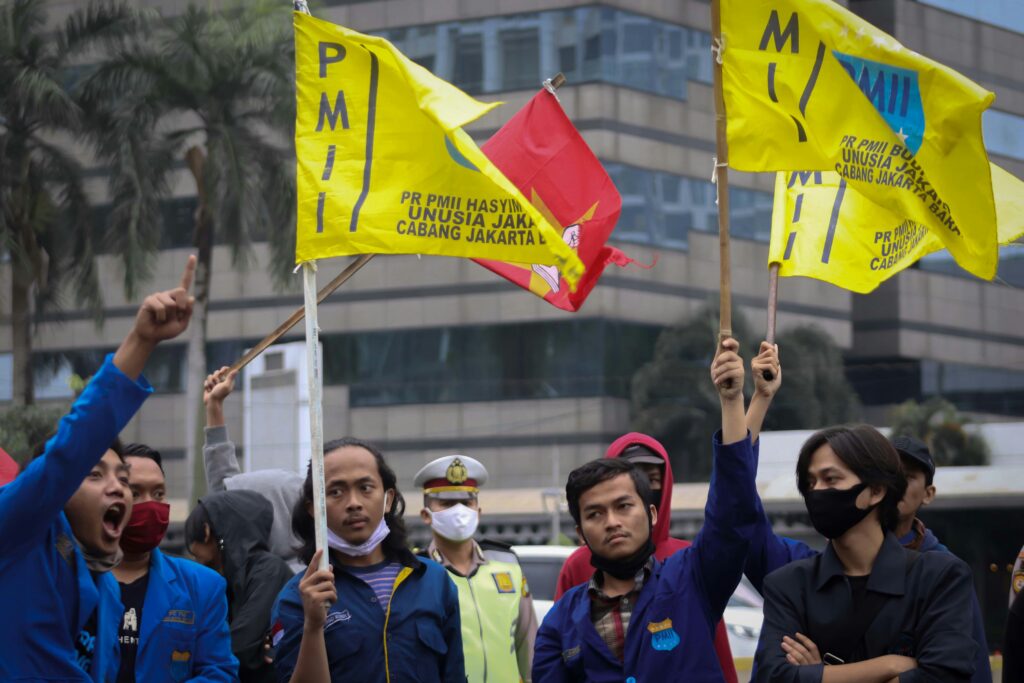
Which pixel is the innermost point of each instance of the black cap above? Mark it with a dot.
(909, 447)
(637, 452)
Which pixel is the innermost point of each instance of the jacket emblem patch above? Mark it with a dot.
(503, 580)
(337, 617)
(663, 637)
(571, 653)
(181, 665)
(65, 547)
(180, 616)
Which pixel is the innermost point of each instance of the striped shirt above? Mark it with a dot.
(380, 577)
(610, 615)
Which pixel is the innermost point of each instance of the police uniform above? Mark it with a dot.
(498, 621)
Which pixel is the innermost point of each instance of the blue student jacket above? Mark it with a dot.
(417, 640)
(184, 632)
(47, 593)
(672, 627)
(769, 552)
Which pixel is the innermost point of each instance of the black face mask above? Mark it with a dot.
(626, 567)
(833, 512)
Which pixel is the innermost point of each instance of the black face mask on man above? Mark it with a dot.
(625, 567)
(833, 512)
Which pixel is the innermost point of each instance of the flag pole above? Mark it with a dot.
(316, 408)
(300, 312)
(773, 304)
(720, 176)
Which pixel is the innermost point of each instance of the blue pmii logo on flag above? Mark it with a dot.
(894, 92)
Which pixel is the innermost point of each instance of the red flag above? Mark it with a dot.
(8, 468)
(544, 155)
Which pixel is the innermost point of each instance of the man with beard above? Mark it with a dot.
(175, 624)
(62, 518)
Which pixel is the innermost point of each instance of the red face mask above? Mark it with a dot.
(146, 527)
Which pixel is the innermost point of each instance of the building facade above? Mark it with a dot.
(429, 356)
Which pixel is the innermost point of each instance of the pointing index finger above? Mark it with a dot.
(190, 271)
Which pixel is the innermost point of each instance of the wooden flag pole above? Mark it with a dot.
(720, 176)
(300, 312)
(773, 304)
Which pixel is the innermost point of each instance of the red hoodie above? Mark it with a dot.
(577, 569)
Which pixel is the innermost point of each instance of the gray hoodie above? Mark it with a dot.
(281, 487)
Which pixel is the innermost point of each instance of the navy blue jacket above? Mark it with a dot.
(769, 552)
(184, 632)
(46, 589)
(926, 603)
(672, 627)
(418, 639)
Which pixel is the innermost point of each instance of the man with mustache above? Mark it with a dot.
(175, 624)
(62, 518)
(641, 619)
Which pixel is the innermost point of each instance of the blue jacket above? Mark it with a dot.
(46, 589)
(418, 639)
(184, 632)
(672, 627)
(769, 552)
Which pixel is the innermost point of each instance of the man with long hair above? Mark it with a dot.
(378, 613)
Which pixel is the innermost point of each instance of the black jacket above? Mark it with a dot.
(241, 521)
(925, 613)
(1013, 648)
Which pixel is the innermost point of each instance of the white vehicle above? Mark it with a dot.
(541, 564)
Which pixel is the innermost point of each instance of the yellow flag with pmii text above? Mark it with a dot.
(383, 165)
(810, 85)
(824, 229)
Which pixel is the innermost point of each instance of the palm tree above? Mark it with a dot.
(938, 423)
(215, 91)
(45, 227)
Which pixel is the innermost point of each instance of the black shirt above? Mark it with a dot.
(133, 595)
(925, 612)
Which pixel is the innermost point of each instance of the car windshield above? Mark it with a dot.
(542, 575)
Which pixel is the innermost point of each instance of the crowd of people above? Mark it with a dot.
(91, 597)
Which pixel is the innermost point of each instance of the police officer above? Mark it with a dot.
(498, 621)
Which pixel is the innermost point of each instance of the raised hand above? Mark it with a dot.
(166, 314)
(727, 370)
(219, 385)
(767, 359)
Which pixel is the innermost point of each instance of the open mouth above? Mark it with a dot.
(113, 519)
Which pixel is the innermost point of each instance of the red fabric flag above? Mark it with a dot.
(8, 468)
(544, 155)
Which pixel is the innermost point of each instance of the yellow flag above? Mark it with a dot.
(383, 165)
(824, 229)
(810, 85)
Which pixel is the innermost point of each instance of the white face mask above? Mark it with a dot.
(457, 523)
(336, 542)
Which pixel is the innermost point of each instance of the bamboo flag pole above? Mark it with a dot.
(773, 304)
(300, 312)
(720, 177)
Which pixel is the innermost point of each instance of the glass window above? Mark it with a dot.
(6, 377)
(660, 208)
(1004, 133)
(520, 58)
(586, 43)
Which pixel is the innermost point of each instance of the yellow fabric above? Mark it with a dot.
(810, 85)
(824, 229)
(403, 574)
(390, 169)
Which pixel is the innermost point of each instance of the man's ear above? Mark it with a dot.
(579, 535)
(877, 495)
(654, 515)
(929, 495)
(425, 516)
(207, 536)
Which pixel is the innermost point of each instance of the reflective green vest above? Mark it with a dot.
(489, 607)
